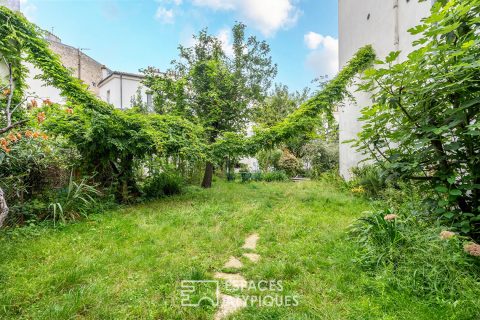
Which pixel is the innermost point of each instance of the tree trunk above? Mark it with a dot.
(208, 175)
(3, 208)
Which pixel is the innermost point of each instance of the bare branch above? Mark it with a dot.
(12, 126)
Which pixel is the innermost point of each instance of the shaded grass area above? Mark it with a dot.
(129, 263)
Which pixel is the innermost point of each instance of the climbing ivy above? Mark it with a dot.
(110, 140)
(304, 119)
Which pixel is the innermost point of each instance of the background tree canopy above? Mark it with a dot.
(212, 89)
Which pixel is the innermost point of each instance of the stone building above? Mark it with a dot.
(383, 24)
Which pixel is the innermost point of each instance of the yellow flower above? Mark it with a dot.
(358, 189)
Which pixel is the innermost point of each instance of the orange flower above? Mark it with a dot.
(19, 135)
(33, 103)
(12, 137)
(3, 142)
(69, 110)
(28, 134)
(36, 135)
(6, 92)
(47, 102)
(44, 136)
(41, 117)
(7, 150)
(390, 217)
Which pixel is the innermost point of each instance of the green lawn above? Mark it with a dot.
(128, 264)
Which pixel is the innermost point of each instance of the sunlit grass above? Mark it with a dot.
(128, 264)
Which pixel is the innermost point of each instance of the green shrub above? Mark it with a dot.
(412, 256)
(268, 159)
(289, 163)
(74, 201)
(275, 176)
(246, 176)
(321, 157)
(424, 119)
(162, 184)
(231, 176)
(370, 178)
(257, 176)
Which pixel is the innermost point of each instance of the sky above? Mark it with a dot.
(127, 35)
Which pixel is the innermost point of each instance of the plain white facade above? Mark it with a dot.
(384, 24)
(119, 88)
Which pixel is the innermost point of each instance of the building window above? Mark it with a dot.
(149, 100)
(108, 96)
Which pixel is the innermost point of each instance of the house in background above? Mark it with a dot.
(384, 24)
(116, 88)
(119, 88)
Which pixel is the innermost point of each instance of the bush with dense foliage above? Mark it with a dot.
(289, 163)
(162, 184)
(418, 258)
(320, 157)
(275, 176)
(268, 159)
(424, 123)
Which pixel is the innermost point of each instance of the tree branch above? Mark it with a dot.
(10, 127)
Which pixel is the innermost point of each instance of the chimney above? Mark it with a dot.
(105, 72)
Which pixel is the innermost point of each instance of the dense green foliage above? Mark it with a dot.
(162, 184)
(110, 142)
(278, 105)
(424, 124)
(211, 88)
(304, 119)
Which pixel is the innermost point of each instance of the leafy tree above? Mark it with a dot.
(213, 89)
(278, 105)
(424, 121)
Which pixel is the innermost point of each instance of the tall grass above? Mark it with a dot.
(74, 201)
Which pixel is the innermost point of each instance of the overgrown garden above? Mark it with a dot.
(420, 180)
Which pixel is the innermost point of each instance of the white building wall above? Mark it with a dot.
(384, 24)
(119, 90)
(37, 89)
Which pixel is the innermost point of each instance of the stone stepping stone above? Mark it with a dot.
(234, 279)
(233, 263)
(228, 306)
(251, 242)
(252, 257)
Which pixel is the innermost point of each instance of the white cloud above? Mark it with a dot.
(268, 16)
(224, 36)
(28, 9)
(323, 59)
(175, 2)
(216, 4)
(165, 16)
(313, 40)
